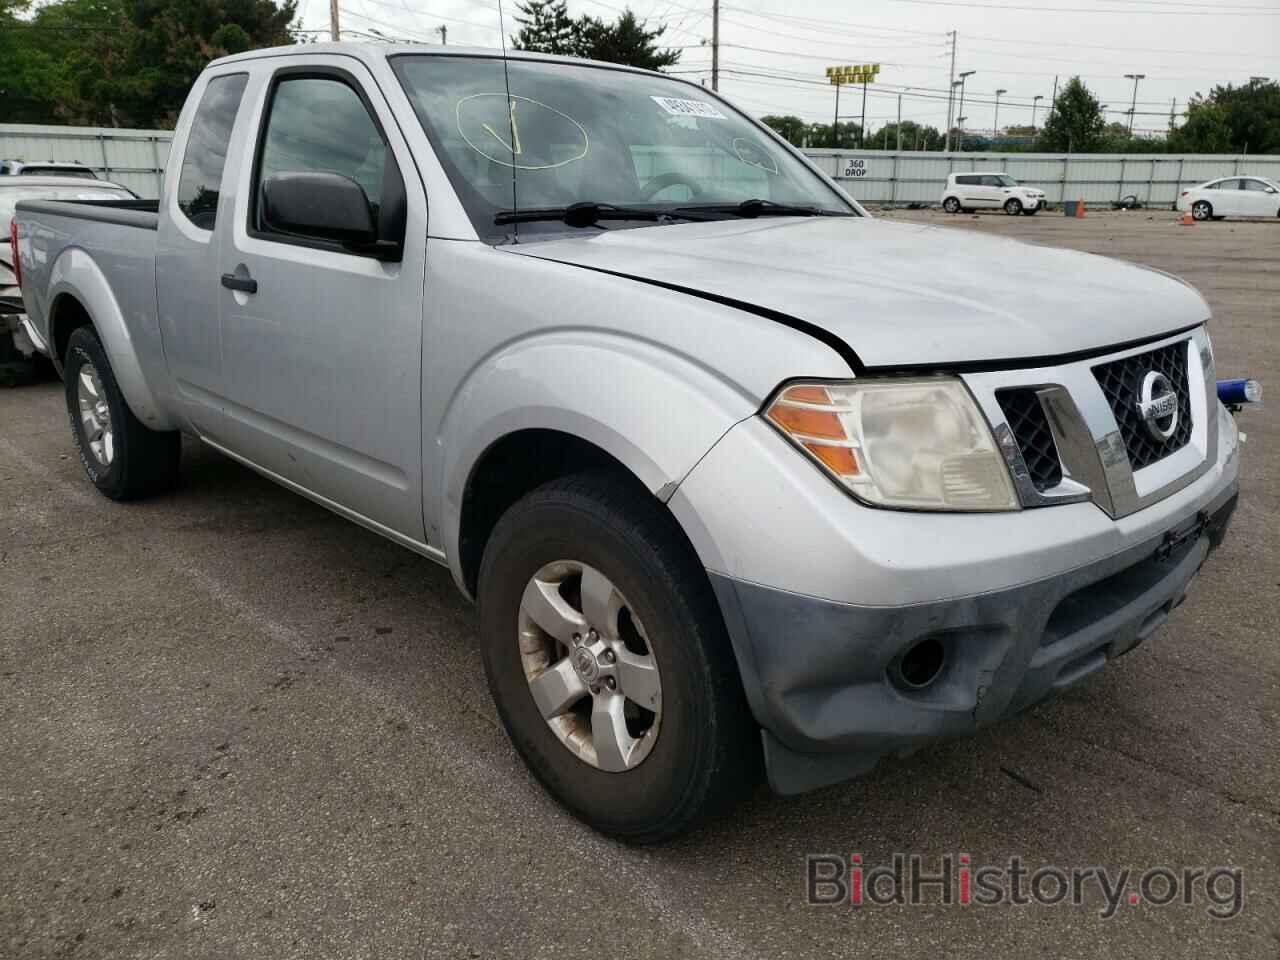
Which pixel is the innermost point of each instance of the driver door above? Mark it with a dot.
(322, 346)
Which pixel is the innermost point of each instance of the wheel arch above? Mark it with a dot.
(80, 295)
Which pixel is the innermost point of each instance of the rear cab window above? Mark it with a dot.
(205, 157)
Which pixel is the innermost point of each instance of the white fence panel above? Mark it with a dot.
(137, 159)
(134, 158)
(888, 176)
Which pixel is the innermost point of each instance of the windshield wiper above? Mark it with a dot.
(755, 207)
(587, 213)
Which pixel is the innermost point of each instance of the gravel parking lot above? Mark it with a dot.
(234, 725)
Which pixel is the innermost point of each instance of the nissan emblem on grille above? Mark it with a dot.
(1158, 406)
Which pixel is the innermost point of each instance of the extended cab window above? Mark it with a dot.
(320, 125)
(206, 153)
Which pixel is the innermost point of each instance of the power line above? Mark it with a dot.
(1147, 13)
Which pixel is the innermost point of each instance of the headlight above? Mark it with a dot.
(917, 444)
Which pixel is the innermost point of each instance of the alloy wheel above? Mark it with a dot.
(95, 415)
(591, 671)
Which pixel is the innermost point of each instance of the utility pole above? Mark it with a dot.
(1035, 102)
(444, 35)
(715, 48)
(334, 32)
(960, 113)
(899, 123)
(1133, 107)
(1053, 104)
(995, 131)
(862, 124)
(1173, 110)
(835, 120)
(951, 93)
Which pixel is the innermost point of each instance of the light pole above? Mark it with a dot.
(1133, 107)
(960, 133)
(959, 119)
(1035, 101)
(995, 131)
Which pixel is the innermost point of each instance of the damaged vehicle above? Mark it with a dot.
(742, 479)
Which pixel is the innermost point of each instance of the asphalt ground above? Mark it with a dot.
(234, 725)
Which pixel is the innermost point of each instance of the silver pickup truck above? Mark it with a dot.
(741, 478)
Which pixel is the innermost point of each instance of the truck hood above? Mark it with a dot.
(900, 294)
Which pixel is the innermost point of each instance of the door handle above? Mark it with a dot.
(243, 284)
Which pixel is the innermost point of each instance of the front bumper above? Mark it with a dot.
(824, 672)
(822, 597)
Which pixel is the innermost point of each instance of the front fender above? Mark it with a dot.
(75, 274)
(651, 409)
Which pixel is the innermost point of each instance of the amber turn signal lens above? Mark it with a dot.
(807, 421)
(839, 460)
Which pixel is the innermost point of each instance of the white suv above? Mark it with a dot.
(977, 190)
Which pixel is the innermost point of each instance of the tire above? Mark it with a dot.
(951, 205)
(704, 749)
(1013, 206)
(128, 460)
(1202, 210)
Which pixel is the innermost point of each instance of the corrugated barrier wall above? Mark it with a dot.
(137, 158)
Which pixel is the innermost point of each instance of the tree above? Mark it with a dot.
(627, 40)
(790, 128)
(546, 27)
(1232, 120)
(1205, 131)
(914, 137)
(845, 138)
(1075, 121)
(123, 62)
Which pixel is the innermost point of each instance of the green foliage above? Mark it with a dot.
(546, 27)
(915, 136)
(1075, 121)
(790, 128)
(1232, 120)
(123, 62)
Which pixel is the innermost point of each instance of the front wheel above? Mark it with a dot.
(1013, 206)
(609, 662)
(1202, 210)
(122, 457)
(951, 205)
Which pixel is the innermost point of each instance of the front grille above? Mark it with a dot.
(1121, 383)
(1025, 414)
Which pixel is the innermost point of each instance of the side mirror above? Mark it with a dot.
(327, 206)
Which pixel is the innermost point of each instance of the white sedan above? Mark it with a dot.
(1232, 197)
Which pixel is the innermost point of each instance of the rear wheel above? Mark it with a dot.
(123, 458)
(608, 660)
(951, 205)
(1013, 206)
(1202, 210)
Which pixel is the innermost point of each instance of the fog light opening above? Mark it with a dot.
(922, 664)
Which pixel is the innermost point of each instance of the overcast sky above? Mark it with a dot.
(774, 53)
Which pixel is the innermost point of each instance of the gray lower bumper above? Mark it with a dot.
(820, 675)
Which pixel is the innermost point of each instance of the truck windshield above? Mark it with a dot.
(568, 134)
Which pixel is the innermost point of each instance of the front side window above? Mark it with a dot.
(320, 125)
(206, 153)
(551, 135)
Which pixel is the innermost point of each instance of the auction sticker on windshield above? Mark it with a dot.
(688, 108)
